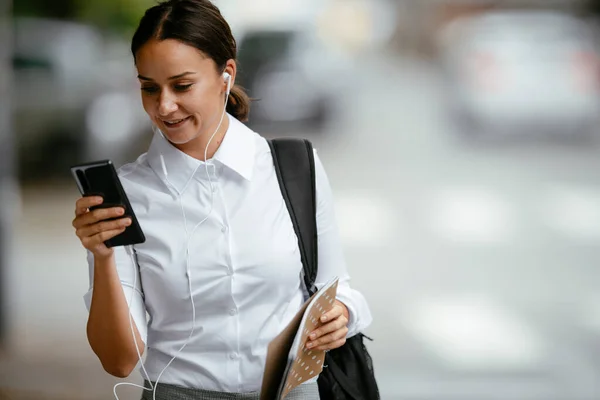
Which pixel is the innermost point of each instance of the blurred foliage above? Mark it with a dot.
(119, 16)
(593, 6)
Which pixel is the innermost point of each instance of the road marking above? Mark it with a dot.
(473, 332)
(573, 211)
(470, 215)
(588, 316)
(365, 219)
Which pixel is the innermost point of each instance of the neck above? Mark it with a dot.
(196, 147)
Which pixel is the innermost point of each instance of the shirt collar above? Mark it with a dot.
(236, 152)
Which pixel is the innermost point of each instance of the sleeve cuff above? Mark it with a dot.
(359, 317)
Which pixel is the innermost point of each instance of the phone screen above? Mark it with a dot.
(101, 183)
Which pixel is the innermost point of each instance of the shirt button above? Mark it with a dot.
(224, 229)
(233, 356)
(232, 312)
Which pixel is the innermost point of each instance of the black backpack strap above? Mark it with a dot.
(349, 373)
(295, 167)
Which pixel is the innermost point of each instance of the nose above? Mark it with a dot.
(166, 104)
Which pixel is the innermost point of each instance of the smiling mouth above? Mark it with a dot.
(175, 122)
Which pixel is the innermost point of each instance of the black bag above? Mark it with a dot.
(348, 371)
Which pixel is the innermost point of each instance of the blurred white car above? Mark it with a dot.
(290, 71)
(75, 97)
(521, 72)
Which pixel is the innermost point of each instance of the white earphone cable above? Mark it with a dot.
(131, 251)
(154, 386)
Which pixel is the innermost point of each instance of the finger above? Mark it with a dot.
(91, 241)
(333, 345)
(102, 214)
(328, 328)
(91, 230)
(99, 214)
(332, 314)
(329, 338)
(83, 203)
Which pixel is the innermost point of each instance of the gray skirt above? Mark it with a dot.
(307, 391)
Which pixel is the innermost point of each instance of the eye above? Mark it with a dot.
(183, 88)
(150, 89)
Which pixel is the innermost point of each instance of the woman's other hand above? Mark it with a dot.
(334, 330)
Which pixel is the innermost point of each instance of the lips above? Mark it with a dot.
(175, 123)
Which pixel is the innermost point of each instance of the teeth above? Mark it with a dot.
(174, 122)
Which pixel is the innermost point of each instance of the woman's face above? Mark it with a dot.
(182, 91)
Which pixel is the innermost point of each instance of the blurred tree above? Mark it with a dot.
(51, 9)
(116, 15)
(120, 16)
(591, 7)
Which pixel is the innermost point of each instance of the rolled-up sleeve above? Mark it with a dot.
(331, 259)
(128, 271)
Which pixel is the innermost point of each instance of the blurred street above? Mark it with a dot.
(478, 260)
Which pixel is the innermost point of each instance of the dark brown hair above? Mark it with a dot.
(197, 23)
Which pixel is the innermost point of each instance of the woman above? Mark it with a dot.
(219, 275)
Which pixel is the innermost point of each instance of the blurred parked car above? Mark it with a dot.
(293, 76)
(75, 97)
(517, 72)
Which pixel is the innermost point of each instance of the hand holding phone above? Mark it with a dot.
(95, 228)
(104, 217)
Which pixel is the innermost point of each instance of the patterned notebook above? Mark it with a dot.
(289, 363)
(309, 363)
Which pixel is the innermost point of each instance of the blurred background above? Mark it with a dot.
(462, 143)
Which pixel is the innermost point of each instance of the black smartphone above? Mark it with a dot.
(100, 178)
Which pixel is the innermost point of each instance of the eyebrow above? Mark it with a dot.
(143, 78)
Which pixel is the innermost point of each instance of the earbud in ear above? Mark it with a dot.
(227, 78)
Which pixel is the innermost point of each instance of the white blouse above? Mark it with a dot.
(244, 262)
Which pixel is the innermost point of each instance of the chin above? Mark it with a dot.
(180, 137)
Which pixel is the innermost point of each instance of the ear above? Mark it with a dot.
(231, 69)
(227, 79)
